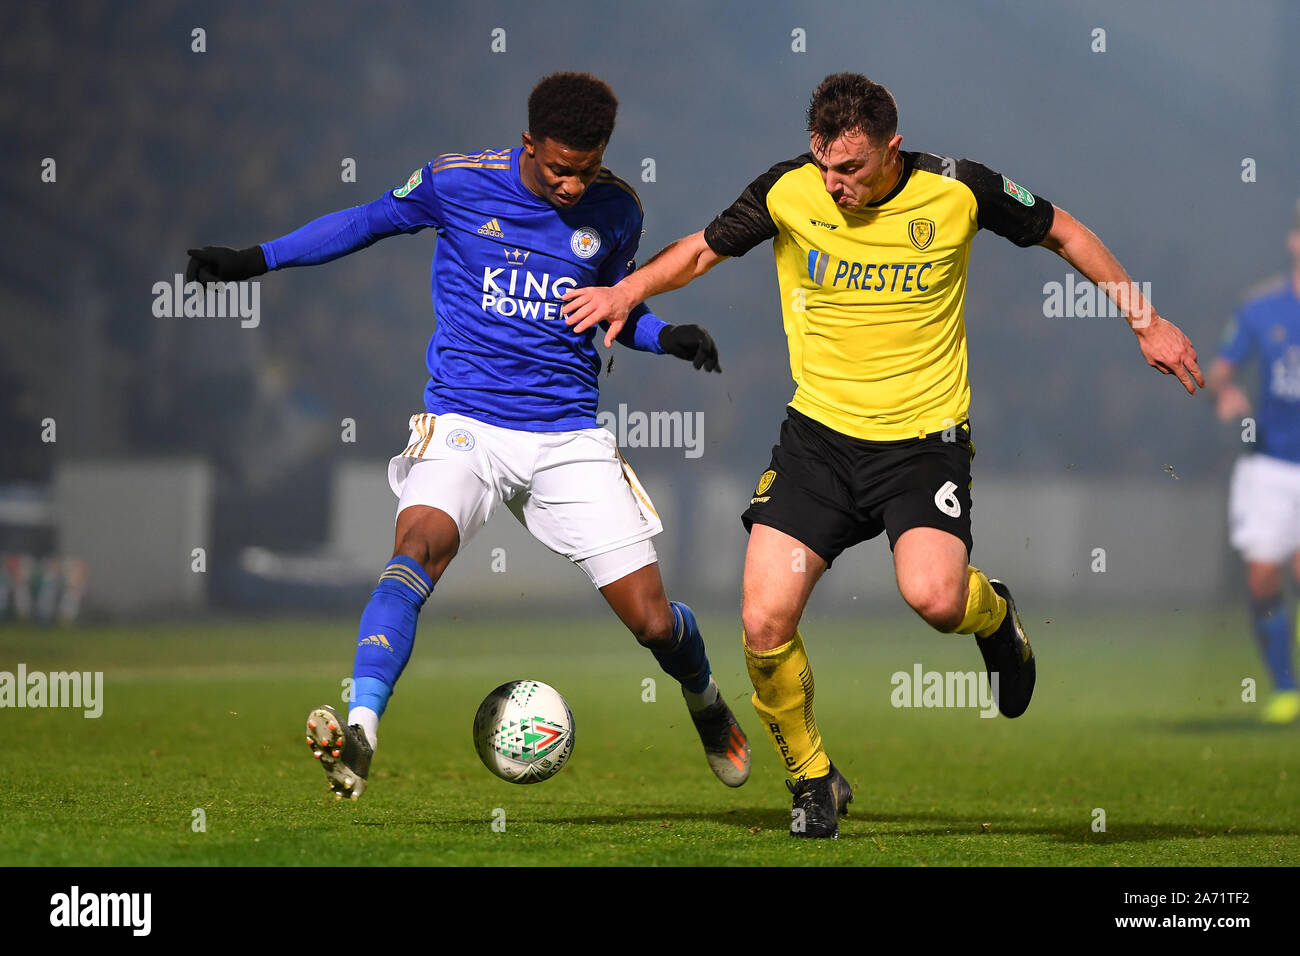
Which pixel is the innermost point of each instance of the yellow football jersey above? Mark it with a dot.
(872, 301)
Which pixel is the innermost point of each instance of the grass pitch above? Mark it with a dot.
(1139, 716)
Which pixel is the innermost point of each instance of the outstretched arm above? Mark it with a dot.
(407, 209)
(1163, 344)
(671, 269)
(329, 237)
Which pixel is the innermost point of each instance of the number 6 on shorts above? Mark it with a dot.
(946, 501)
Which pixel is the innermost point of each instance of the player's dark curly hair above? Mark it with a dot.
(849, 102)
(576, 109)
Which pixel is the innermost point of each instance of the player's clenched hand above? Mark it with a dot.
(589, 306)
(1166, 348)
(220, 264)
(692, 343)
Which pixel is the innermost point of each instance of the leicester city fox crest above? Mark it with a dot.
(585, 242)
(461, 440)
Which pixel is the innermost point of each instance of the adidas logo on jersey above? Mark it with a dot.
(491, 228)
(377, 639)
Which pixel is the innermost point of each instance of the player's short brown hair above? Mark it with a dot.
(575, 109)
(849, 102)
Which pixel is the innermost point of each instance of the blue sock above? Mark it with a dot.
(387, 631)
(686, 662)
(1273, 635)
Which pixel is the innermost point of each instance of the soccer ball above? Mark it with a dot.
(523, 731)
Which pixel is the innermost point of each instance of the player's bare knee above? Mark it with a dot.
(432, 548)
(1265, 591)
(941, 608)
(1264, 581)
(947, 619)
(415, 549)
(654, 629)
(766, 630)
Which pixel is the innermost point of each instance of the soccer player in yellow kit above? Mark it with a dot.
(872, 245)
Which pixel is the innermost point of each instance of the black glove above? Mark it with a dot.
(219, 264)
(692, 343)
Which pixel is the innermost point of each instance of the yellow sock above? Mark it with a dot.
(783, 697)
(985, 608)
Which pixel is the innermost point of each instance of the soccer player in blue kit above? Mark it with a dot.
(1264, 498)
(510, 405)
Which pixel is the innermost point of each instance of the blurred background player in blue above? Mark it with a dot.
(1264, 497)
(510, 406)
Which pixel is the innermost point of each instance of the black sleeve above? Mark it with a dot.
(1005, 207)
(747, 222)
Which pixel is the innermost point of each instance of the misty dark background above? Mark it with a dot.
(159, 148)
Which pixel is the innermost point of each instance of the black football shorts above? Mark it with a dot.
(832, 491)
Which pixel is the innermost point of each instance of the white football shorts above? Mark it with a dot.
(572, 490)
(1264, 508)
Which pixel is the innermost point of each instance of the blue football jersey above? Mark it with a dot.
(501, 351)
(1268, 326)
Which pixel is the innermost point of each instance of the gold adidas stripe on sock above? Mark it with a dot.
(406, 576)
